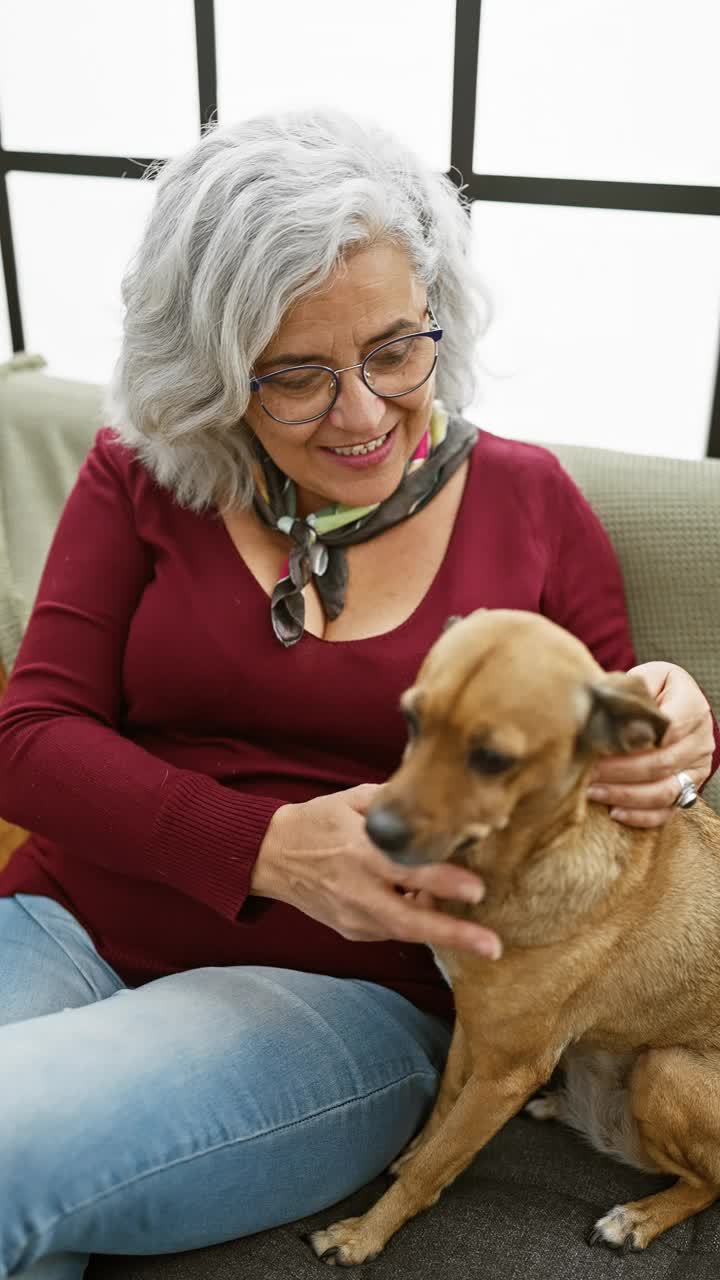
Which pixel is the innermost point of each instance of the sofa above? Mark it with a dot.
(523, 1209)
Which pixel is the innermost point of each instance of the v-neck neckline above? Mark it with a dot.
(461, 516)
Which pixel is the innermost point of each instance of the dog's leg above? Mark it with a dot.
(545, 1107)
(673, 1095)
(595, 1101)
(455, 1075)
(633, 1226)
(482, 1108)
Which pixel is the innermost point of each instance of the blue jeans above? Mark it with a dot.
(193, 1110)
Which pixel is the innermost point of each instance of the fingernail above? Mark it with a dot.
(492, 950)
(618, 814)
(597, 793)
(472, 893)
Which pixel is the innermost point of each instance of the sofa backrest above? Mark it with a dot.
(663, 518)
(47, 426)
(662, 515)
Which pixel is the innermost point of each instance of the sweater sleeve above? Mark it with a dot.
(584, 590)
(66, 771)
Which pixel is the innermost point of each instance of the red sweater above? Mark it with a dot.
(153, 724)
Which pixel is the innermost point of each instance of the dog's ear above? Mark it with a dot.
(623, 717)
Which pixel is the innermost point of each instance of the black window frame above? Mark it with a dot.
(571, 192)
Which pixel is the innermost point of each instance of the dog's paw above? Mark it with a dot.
(619, 1230)
(546, 1107)
(342, 1244)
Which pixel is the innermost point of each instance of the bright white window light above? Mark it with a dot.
(620, 90)
(606, 326)
(73, 239)
(391, 60)
(102, 77)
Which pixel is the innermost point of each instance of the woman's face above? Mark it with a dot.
(372, 297)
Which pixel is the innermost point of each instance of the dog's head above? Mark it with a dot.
(506, 716)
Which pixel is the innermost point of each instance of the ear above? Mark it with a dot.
(623, 717)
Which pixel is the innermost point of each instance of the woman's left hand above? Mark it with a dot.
(641, 789)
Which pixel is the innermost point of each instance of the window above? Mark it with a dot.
(585, 137)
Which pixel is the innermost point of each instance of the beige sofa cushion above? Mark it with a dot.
(46, 427)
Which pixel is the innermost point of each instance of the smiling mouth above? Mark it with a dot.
(355, 450)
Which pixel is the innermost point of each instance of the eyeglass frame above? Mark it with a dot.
(435, 333)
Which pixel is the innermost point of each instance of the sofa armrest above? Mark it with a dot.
(10, 837)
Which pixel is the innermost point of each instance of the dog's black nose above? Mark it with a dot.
(388, 830)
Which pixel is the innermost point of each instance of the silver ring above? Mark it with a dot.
(688, 791)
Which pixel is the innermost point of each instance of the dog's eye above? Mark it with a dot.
(485, 760)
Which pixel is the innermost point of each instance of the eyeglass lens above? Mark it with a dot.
(396, 368)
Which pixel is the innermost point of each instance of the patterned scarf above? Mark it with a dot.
(320, 538)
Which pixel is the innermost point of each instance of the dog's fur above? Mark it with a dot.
(611, 960)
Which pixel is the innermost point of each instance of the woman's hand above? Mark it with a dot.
(317, 857)
(642, 788)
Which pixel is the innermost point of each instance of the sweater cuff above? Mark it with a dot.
(206, 839)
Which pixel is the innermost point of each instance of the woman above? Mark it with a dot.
(246, 576)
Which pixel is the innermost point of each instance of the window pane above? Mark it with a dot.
(606, 326)
(391, 60)
(605, 89)
(73, 239)
(111, 78)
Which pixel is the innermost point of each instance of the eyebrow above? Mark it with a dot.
(292, 357)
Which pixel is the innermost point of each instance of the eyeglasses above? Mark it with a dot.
(306, 392)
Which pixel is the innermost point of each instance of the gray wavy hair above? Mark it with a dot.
(250, 219)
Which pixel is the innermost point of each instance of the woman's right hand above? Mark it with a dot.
(317, 857)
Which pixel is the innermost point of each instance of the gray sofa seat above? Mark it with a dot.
(522, 1211)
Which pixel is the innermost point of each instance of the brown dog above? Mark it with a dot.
(611, 935)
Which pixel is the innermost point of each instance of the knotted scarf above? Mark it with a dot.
(319, 539)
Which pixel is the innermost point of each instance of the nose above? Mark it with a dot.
(388, 830)
(356, 405)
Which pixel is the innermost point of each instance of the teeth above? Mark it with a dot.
(362, 448)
